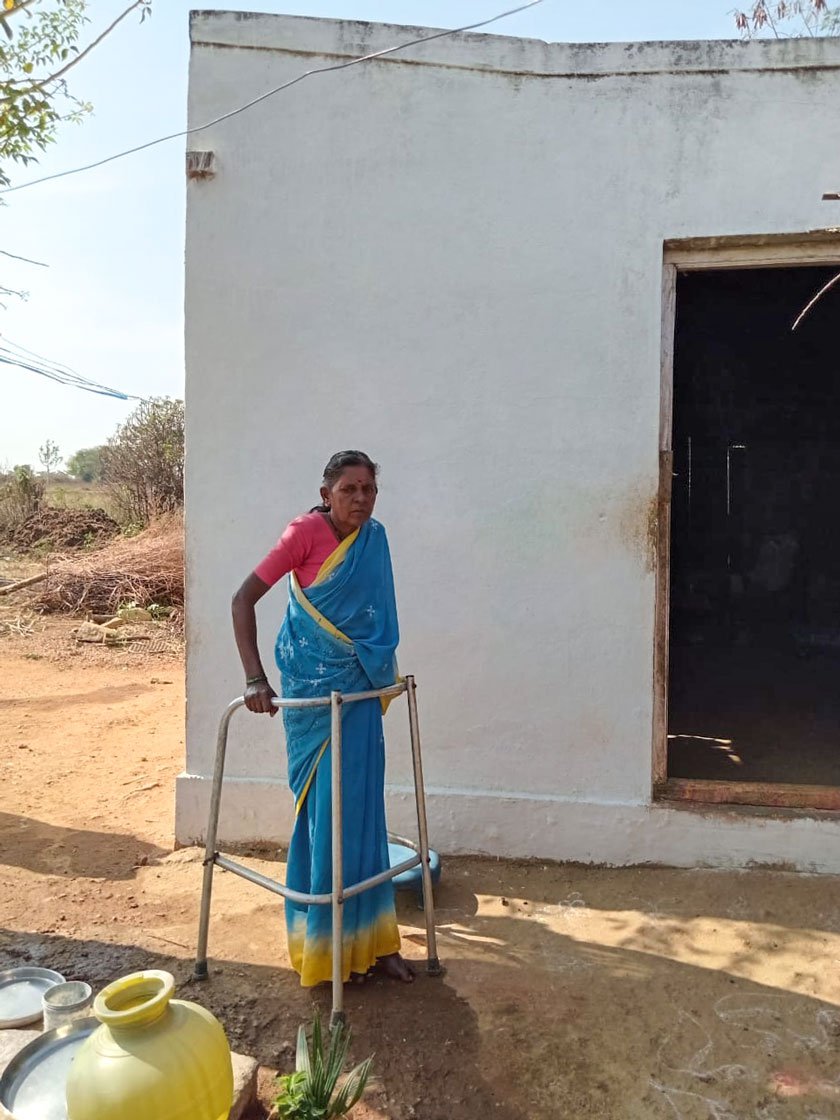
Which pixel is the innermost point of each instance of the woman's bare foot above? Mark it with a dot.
(395, 968)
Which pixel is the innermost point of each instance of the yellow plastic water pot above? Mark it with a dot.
(152, 1058)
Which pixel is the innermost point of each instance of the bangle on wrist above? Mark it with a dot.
(261, 679)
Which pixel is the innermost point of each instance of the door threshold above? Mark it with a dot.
(777, 795)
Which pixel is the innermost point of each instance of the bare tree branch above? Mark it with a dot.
(27, 260)
(19, 7)
(59, 74)
(783, 18)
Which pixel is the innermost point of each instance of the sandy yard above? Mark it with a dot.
(633, 994)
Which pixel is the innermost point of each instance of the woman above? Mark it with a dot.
(340, 633)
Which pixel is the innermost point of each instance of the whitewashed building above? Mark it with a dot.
(466, 258)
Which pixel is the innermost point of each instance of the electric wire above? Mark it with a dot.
(12, 354)
(270, 93)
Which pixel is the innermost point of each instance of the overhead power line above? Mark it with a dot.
(12, 354)
(271, 93)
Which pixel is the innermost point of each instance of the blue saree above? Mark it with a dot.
(341, 634)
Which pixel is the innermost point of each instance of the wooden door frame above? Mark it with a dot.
(696, 254)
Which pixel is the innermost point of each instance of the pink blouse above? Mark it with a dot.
(304, 546)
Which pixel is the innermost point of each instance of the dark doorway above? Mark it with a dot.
(754, 659)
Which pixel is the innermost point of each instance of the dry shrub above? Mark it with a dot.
(145, 570)
(143, 462)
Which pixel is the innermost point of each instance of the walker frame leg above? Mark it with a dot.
(337, 1014)
(200, 971)
(433, 965)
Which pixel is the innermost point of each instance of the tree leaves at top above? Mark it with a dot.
(39, 46)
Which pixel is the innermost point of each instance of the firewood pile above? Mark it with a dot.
(144, 571)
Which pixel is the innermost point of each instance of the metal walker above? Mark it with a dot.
(339, 893)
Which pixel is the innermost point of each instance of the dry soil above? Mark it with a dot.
(635, 994)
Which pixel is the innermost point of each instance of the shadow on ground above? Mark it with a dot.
(111, 695)
(563, 1008)
(50, 849)
(261, 1008)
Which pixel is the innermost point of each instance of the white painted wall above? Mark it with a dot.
(452, 259)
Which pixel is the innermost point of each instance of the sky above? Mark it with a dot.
(109, 304)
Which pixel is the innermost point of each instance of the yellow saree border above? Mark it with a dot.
(335, 558)
(314, 613)
(330, 564)
(300, 801)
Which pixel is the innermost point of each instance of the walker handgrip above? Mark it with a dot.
(324, 701)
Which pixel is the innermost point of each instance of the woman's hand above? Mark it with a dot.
(258, 698)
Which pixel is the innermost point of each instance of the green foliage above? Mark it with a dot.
(21, 495)
(27, 489)
(86, 464)
(32, 103)
(312, 1092)
(39, 45)
(156, 610)
(143, 462)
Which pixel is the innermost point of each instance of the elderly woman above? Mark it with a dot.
(340, 633)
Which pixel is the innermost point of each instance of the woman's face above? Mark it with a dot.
(353, 497)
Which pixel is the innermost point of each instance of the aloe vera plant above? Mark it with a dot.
(312, 1092)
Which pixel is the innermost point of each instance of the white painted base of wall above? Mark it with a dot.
(514, 826)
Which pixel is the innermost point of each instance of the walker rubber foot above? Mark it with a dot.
(337, 1017)
(434, 967)
(200, 972)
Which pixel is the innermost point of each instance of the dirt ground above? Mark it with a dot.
(636, 994)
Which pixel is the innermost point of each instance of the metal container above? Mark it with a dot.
(65, 1003)
(21, 992)
(33, 1084)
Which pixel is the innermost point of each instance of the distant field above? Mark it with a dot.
(70, 494)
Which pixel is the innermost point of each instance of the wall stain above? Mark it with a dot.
(638, 526)
(797, 70)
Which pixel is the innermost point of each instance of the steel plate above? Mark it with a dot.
(33, 1086)
(21, 992)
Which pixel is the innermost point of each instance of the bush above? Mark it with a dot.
(21, 495)
(143, 462)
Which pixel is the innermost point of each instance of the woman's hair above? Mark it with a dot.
(336, 467)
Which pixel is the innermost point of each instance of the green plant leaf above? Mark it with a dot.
(316, 1083)
(302, 1061)
(289, 1102)
(312, 1093)
(339, 1045)
(352, 1089)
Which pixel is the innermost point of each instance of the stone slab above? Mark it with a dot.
(244, 1085)
(244, 1071)
(11, 1042)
